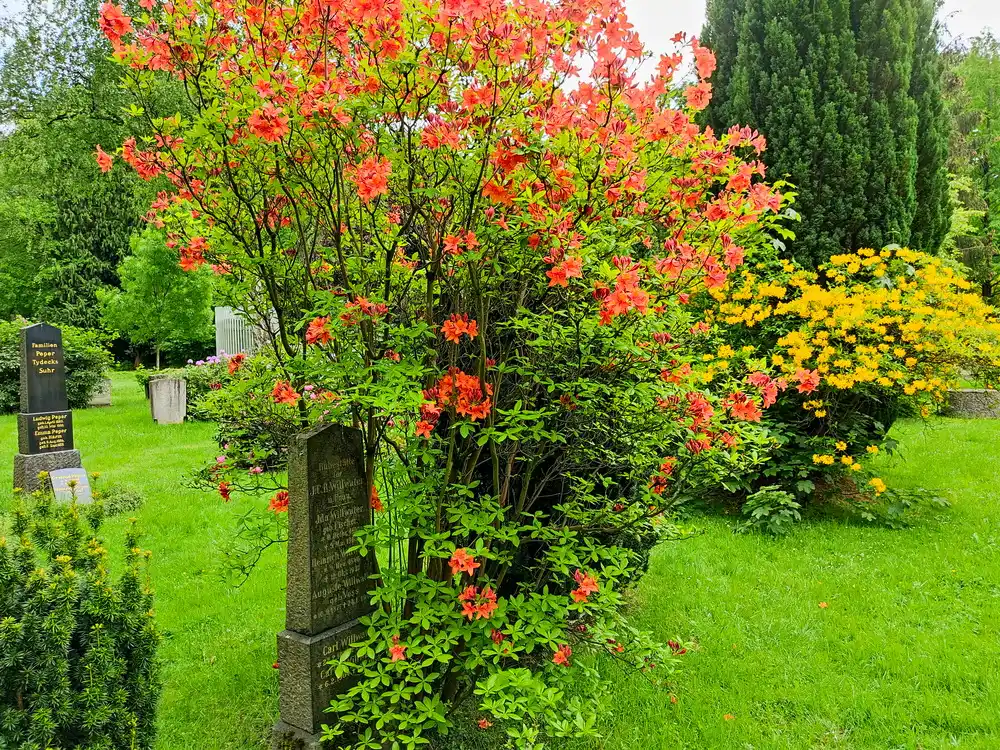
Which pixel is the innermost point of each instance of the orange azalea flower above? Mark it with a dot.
(375, 501)
(104, 160)
(485, 723)
(808, 380)
(561, 656)
(283, 393)
(279, 503)
(225, 491)
(113, 22)
(587, 585)
(317, 332)
(397, 651)
(236, 362)
(462, 562)
(268, 123)
(456, 325)
(371, 177)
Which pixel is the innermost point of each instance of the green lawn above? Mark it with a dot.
(905, 655)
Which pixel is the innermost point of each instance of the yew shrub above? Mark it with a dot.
(474, 226)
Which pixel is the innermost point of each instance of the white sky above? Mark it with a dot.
(658, 20)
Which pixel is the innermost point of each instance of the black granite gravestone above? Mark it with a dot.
(45, 424)
(328, 587)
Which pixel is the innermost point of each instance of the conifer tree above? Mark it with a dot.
(847, 93)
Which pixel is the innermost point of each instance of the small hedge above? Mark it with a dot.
(78, 665)
(86, 357)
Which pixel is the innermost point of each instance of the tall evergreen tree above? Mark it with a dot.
(847, 93)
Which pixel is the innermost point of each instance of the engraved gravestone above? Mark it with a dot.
(69, 484)
(45, 424)
(328, 587)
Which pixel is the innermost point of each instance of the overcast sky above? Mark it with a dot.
(658, 20)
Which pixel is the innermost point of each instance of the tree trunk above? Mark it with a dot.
(157, 356)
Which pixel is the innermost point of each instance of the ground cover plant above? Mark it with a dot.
(481, 260)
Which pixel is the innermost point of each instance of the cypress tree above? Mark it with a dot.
(932, 221)
(847, 93)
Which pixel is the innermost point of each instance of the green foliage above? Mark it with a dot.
(847, 93)
(86, 357)
(158, 304)
(770, 509)
(78, 668)
(973, 96)
(63, 232)
(251, 428)
(120, 499)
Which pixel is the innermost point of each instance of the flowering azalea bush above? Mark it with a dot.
(869, 337)
(476, 229)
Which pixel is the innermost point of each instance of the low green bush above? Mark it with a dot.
(86, 357)
(78, 667)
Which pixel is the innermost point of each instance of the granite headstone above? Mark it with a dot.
(45, 423)
(328, 587)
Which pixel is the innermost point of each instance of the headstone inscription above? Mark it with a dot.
(70, 483)
(45, 423)
(328, 587)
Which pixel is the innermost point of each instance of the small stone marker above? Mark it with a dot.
(973, 403)
(45, 424)
(102, 396)
(168, 400)
(328, 587)
(67, 483)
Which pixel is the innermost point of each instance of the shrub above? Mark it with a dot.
(78, 667)
(869, 337)
(484, 255)
(86, 359)
(120, 499)
(253, 431)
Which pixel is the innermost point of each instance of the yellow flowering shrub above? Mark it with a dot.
(867, 337)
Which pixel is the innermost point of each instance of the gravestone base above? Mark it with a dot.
(28, 466)
(286, 737)
(308, 683)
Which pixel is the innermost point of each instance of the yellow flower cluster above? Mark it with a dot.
(893, 319)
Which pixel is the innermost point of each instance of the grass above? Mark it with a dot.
(905, 655)
(220, 690)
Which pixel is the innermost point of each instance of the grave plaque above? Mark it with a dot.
(328, 587)
(45, 424)
(70, 483)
